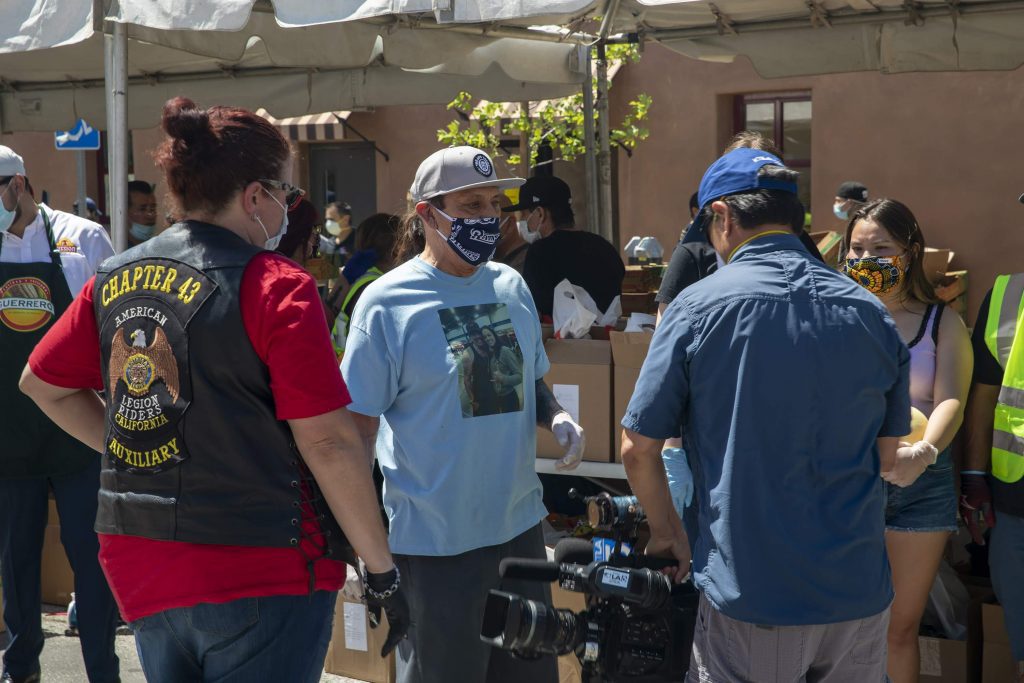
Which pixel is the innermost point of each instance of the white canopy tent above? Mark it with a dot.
(65, 59)
(780, 37)
(295, 56)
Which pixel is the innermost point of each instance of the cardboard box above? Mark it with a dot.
(998, 665)
(58, 581)
(354, 650)
(943, 661)
(581, 379)
(936, 263)
(642, 302)
(629, 350)
(829, 243)
(569, 669)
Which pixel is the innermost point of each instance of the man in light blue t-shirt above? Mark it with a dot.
(445, 356)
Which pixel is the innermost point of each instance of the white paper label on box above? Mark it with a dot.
(355, 627)
(568, 396)
(931, 657)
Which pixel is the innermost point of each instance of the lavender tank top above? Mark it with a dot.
(922, 360)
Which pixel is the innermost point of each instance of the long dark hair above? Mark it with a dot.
(898, 220)
(499, 343)
(411, 238)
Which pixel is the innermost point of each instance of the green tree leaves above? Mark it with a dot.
(559, 123)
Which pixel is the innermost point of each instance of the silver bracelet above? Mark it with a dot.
(392, 589)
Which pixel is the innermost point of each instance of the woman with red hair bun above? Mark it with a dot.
(234, 484)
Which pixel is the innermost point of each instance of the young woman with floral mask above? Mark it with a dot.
(885, 255)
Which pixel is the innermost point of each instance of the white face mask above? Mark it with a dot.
(272, 242)
(7, 215)
(524, 231)
(332, 227)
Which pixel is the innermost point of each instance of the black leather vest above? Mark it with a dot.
(194, 451)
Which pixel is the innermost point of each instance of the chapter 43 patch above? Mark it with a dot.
(145, 310)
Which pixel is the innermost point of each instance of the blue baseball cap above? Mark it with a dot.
(734, 173)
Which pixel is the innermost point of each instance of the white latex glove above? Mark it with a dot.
(911, 462)
(680, 479)
(569, 436)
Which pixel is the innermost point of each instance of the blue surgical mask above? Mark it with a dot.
(141, 232)
(7, 215)
(841, 213)
(473, 239)
(273, 242)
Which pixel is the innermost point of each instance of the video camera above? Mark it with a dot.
(637, 627)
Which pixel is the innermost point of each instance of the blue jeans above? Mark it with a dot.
(927, 505)
(1006, 561)
(281, 638)
(23, 512)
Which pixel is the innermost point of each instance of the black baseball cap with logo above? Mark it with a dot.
(546, 191)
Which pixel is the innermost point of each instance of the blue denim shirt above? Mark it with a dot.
(782, 374)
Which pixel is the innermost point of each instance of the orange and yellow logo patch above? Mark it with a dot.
(67, 246)
(25, 304)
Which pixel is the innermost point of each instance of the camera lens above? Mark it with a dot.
(529, 627)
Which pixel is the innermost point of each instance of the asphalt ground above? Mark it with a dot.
(61, 660)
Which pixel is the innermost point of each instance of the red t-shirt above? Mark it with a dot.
(285, 321)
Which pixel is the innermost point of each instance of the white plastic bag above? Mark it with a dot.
(612, 315)
(573, 311)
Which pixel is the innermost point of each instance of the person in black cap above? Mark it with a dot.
(850, 196)
(559, 250)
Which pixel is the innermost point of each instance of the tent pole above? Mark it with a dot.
(524, 142)
(590, 161)
(117, 132)
(604, 155)
(80, 163)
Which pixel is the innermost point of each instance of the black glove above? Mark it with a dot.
(975, 502)
(384, 591)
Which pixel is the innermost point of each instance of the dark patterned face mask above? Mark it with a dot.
(877, 274)
(473, 239)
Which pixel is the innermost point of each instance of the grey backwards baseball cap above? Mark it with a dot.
(11, 163)
(457, 168)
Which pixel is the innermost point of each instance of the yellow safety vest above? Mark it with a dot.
(339, 332)
(1006, 343)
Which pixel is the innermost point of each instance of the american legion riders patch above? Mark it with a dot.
(145, 310)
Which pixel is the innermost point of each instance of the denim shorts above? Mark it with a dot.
(929, 504)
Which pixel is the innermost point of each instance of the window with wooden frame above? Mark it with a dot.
(786, 118)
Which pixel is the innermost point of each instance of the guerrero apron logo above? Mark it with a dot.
(25, 304)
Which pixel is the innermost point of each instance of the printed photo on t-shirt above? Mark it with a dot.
(489, 359)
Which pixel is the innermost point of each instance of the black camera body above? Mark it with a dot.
(637, 626)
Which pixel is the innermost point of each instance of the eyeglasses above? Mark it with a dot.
(292, 193)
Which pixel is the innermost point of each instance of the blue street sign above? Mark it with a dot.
(81, 137)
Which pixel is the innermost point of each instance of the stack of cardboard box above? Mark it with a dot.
(593, 380)
(639, 286)
(581, 380)
(629, 350)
